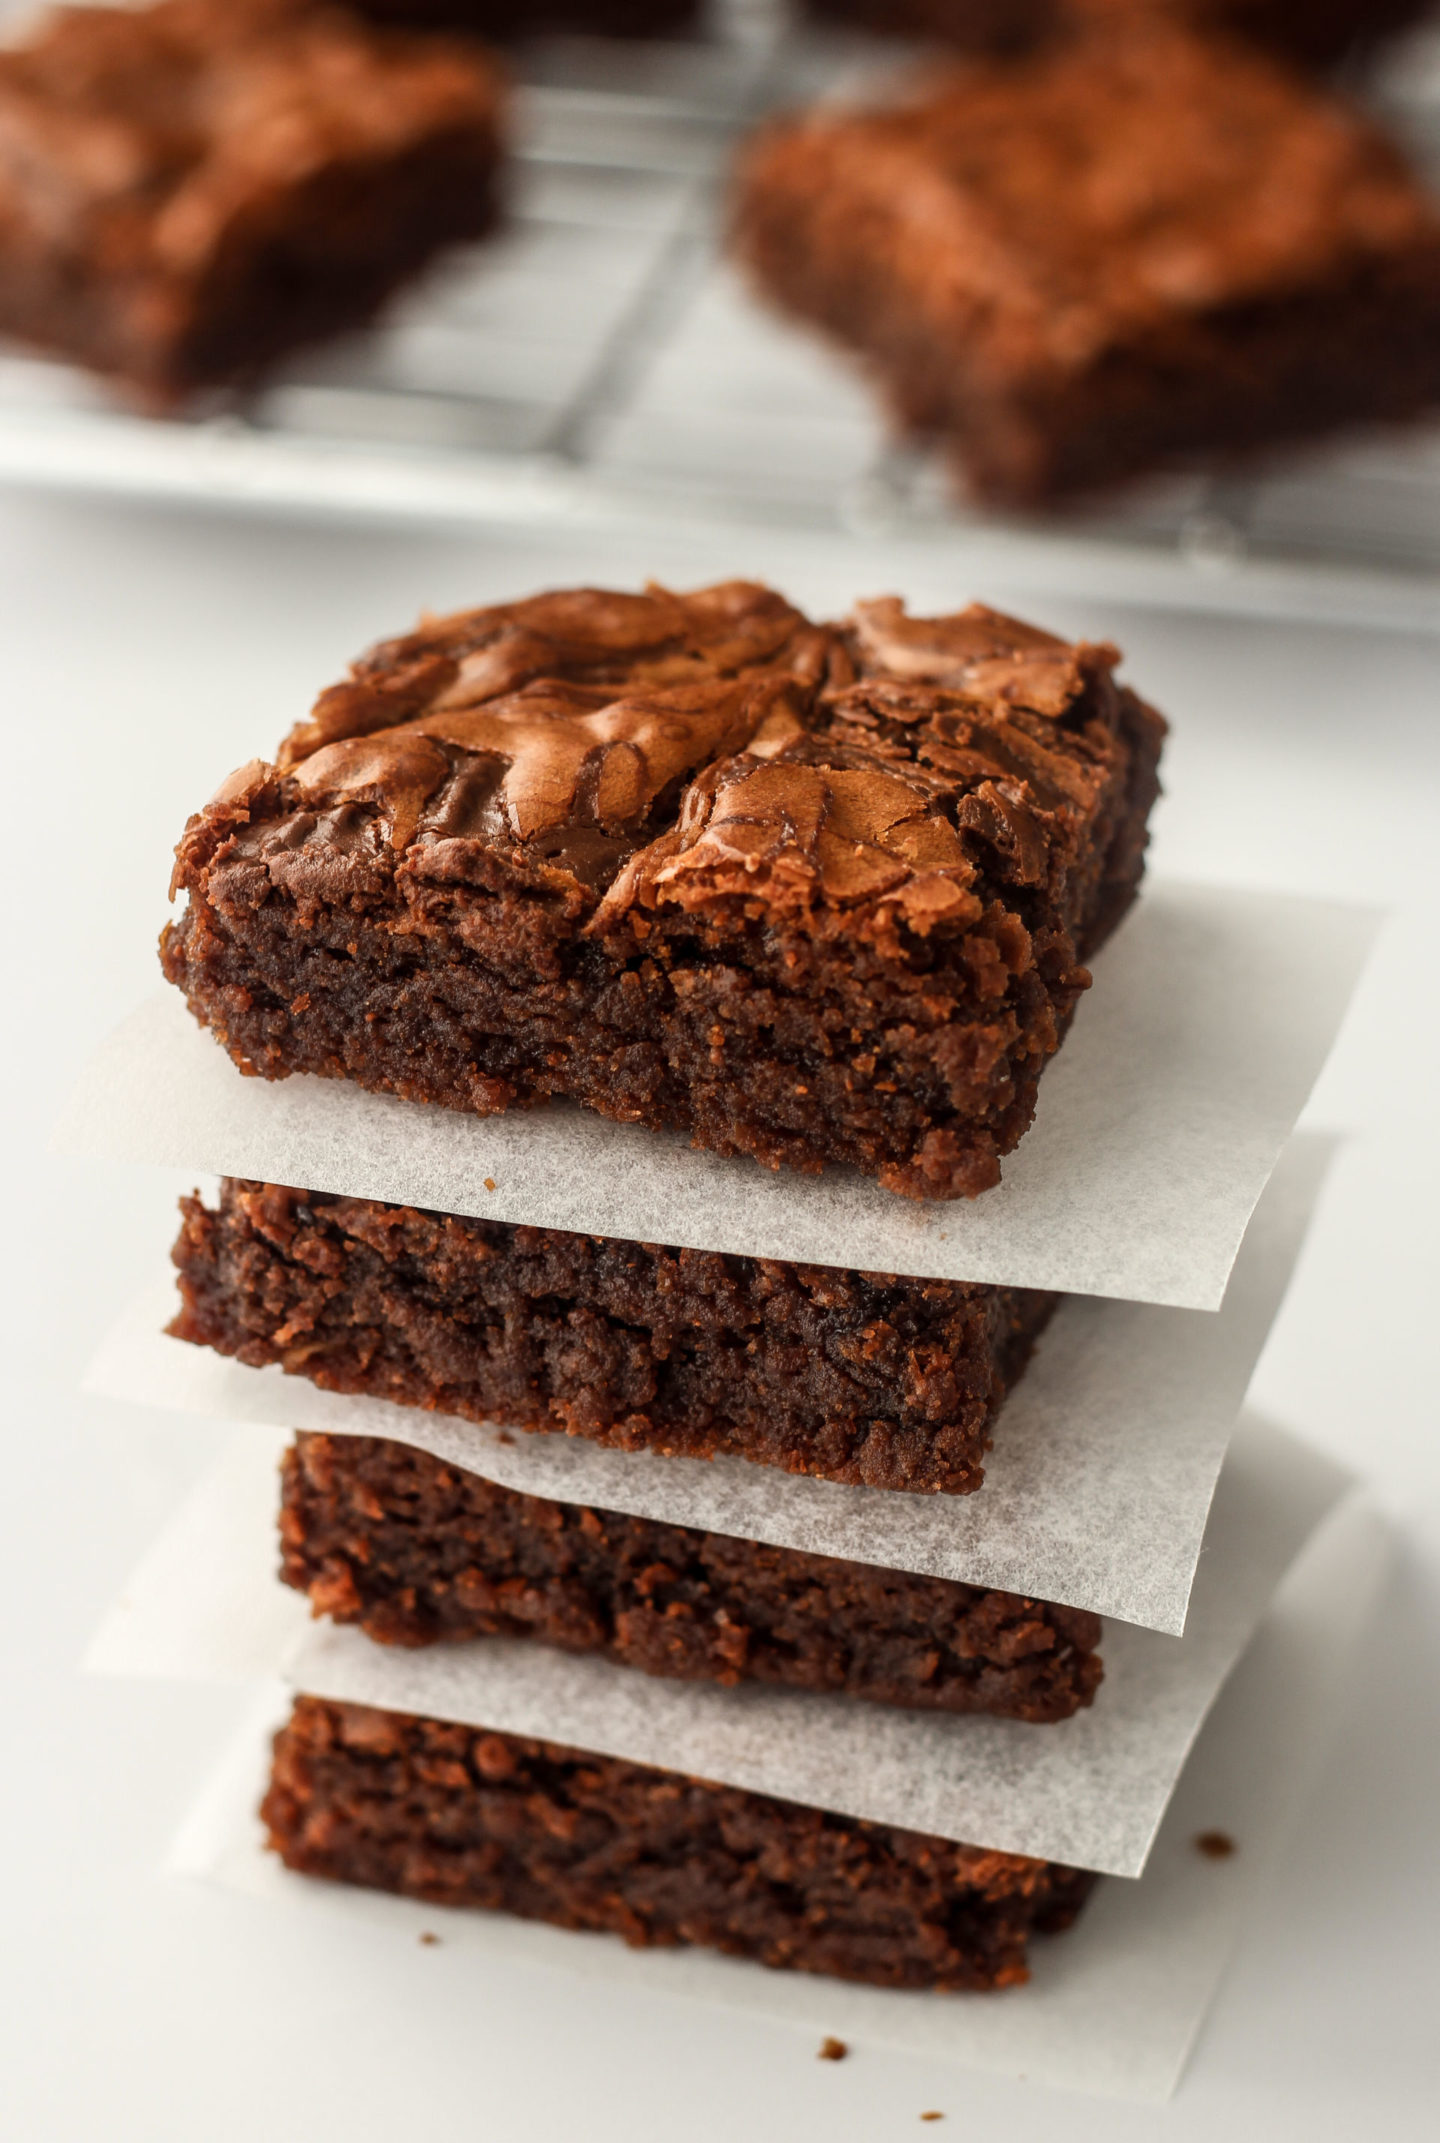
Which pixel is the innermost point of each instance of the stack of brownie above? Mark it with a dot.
(818, 896)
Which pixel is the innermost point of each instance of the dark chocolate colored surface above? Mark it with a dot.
(1316, 32)
(812, 893)
(189, 189)
(531, 18)
(859, 1377)
(418, 1552)
(459, 1817)
(1122, 251)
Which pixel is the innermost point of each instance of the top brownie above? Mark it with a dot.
(191, 188)
(813, 893)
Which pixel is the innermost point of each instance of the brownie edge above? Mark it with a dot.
(417, 1551)
(866, 1378)
(815, 894)
(456, 1816)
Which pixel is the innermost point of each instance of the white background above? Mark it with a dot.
(140, 658)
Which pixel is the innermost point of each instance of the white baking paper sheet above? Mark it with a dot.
(1096, 1492)
(1113, 2006)
(1158, 1124)
(1090, 1791)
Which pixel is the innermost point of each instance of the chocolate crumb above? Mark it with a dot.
(932, 2116)
(429, 1941)
(833, 2050)
(1215, 1844)
(489, 1183)
(503, 1436)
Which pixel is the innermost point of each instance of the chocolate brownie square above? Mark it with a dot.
(1122, 252)
(459, 1817)
(809, 893)
(861, 1377)
(189, 190)
(418, 1552)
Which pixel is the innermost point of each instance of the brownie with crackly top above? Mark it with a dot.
(418, 1552)
(867, 1378)
(812, 893)
(191, 189)
(456, 1816)
(1126, 252)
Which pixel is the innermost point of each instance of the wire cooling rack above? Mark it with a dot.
(599, 364)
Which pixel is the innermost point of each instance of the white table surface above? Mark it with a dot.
(141, 656)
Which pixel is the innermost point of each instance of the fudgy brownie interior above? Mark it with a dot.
(463, 1817)
(867, 1378)
(811, 893)
(416, 1551)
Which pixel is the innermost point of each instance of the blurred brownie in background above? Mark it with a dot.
(534, 18)
(419, 1552)
(1315, 32)
(190, 189)
(461, 1816)
(1119, 253)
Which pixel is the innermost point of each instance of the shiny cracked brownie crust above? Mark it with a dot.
(810, 893)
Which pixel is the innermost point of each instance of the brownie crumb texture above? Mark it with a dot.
(415, 1551)
(815, 894)
(867, 1378)
(461, 1817)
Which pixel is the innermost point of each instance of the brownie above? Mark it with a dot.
(859, 1377)
(529, 18)
(1125, 251)
(457, 1816)
(418, 1552)
(810, 893)
(190, 189)
(1315, 32)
